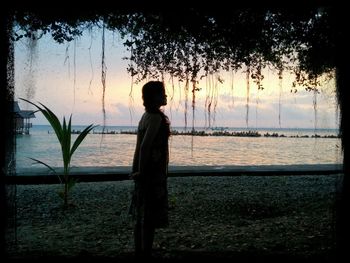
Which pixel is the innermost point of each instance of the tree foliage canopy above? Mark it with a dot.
(189, 43)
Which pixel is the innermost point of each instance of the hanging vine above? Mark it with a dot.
(247, 96)
(257, 101)
(103, 78)
(180, 94)
(209, 98)
(202, 42)
(67, 58)
(171, 100)
(206, 103)
(194, 89)
(280, 82)
(232, 88)
(90, 59)
(314, 102)
(193, 105)
(74, 69)
(131, 97)
(216, 95)
(31, 59)
(186, 91)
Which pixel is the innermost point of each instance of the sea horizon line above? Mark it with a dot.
(209, 128)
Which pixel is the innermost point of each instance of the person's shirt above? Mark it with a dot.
(148, 129)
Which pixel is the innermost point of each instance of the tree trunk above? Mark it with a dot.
(6, 120)
(342, 83)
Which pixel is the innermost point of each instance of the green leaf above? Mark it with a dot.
(64, 135)
(48, 166)
(40, 162)
(50, 117)
(65, 144)
(53, 120)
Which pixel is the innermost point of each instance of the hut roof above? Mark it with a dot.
(25, 114)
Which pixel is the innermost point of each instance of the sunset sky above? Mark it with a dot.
(67, 79)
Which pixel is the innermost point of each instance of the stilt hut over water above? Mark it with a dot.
(22, 119)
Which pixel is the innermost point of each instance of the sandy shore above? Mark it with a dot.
(249, 217)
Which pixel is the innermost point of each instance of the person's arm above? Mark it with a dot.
(135, 163)
(152, 127)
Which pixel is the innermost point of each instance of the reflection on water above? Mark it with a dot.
(117, 150)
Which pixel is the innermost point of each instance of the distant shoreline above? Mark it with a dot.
(222, 133)
(214, 131)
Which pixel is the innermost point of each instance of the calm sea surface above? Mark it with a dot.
(117, 149)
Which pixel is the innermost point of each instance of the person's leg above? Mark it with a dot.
(138, 237)
(148, 237)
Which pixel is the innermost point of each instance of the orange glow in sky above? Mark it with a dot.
(67, 79)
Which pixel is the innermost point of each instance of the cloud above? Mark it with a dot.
(57, 87)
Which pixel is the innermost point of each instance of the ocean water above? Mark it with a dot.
(117, 149)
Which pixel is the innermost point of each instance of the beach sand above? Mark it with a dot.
(211, 217)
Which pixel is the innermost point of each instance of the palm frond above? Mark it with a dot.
(53, 120)
(65, 144)
(48, 166)
(81, 137)
(50, 117)
(64, 135)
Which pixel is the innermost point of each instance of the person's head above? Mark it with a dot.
(153, 95)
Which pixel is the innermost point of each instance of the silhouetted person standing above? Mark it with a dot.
(149, 170)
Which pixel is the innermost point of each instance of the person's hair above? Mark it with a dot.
(150, 91)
